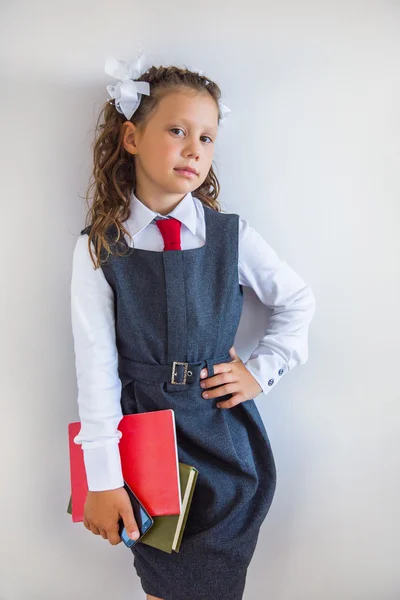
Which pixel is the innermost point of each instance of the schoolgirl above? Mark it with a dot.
(156, 299)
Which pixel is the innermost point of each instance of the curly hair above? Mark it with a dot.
(113, 174)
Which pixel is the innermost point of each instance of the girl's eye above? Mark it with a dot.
(176, 129)
(204, 136)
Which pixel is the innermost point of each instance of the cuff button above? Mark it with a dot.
(280, 372)
(270, 382)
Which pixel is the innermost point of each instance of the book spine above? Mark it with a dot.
(178, 545)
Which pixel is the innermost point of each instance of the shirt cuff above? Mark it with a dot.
(103, 467)
(266, 370)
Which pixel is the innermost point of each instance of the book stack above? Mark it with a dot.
(150, 466)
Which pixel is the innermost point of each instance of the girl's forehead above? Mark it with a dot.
(190, 109)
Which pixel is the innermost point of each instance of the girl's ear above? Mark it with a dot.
(130, 137)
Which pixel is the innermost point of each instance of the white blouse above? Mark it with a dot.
(284, 345)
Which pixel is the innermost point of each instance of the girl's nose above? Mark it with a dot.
(194, 150)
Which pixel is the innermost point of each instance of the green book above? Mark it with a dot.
(167, 531)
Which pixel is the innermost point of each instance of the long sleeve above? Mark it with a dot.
(96, 361)
(285, 342)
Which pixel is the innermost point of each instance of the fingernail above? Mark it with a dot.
(203, 374)
(134, 535)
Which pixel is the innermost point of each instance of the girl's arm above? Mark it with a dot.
(96, 361)
(285, 342)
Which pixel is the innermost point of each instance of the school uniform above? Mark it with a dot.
(133, 320)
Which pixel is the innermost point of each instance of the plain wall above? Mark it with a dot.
(309, 155)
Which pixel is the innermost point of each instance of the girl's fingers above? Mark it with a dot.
(234, 401)
(218, 368)
(229, 388)
(220, 379)
(94, 530)
(103, 534)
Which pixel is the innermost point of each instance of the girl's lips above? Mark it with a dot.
(185, 173)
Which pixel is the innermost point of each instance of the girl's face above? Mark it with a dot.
(180, 133)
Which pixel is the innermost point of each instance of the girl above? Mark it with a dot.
(156, 299)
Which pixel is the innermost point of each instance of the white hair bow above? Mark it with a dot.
(127, 93)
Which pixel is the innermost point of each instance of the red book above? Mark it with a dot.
(149, 462)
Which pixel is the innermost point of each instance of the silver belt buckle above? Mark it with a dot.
(185, 373)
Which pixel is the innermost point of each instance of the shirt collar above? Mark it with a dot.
(141, 215)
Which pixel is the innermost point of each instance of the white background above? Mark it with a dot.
(309, 155)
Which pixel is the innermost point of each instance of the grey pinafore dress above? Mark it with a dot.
(184, 306)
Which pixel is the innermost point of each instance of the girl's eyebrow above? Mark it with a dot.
(206, 127)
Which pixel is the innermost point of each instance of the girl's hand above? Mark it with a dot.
(232, 378)
(103, 510)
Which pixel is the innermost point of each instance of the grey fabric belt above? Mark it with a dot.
(175, 373)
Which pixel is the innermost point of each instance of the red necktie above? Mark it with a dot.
(171, 231)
